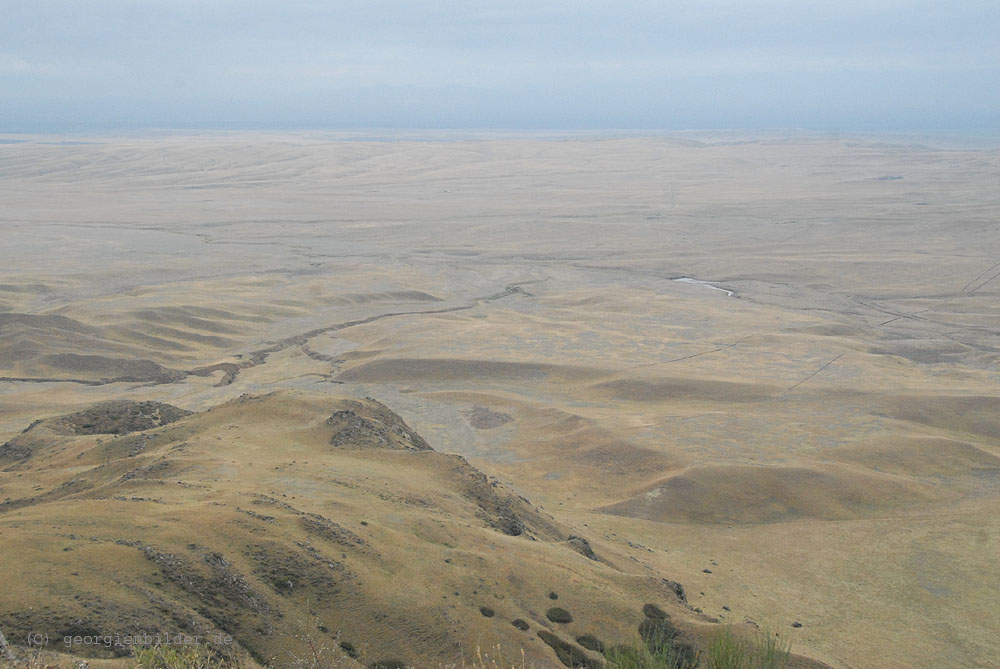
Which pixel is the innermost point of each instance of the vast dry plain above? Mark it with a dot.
(764, 368)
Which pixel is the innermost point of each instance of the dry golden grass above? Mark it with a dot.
(828, 435)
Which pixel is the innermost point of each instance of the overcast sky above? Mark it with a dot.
(837, 65)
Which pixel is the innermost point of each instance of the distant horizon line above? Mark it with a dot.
(386, 133)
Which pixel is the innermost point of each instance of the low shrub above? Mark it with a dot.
(559, 615)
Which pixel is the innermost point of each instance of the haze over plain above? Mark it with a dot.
(452, 294)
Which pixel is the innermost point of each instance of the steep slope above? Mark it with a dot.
(293, 517)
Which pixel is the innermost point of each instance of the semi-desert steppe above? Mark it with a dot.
(433, 379)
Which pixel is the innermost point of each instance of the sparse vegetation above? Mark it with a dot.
(254, 579)
(763, 650)
(121, 417)
(493, 659)
(320, 654)
(185, 657)
(643, 655)
(657, 647)
(591, 642)
(349, 648)
(568, 654)
(388, 664)
(559, 615)
(657, 631)
(654, 611)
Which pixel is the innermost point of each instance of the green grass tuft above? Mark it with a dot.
(764, 650)
(642, 655)
(184, 657)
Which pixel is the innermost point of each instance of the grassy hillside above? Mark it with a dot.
(291, 519)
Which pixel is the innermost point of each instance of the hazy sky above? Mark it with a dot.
(828, 65)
